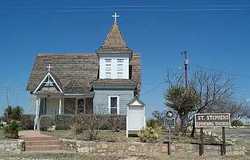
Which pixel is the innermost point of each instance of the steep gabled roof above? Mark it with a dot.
(114, 38)
(74, 73)
(114, 42)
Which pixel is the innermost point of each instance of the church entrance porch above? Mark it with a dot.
(60, 105)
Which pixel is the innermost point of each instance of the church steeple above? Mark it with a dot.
(114, 55)
(114, 42)
(114, 38)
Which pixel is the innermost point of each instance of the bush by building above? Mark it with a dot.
(154, 123)
(64, 121)
(11, 130)
(46, 121)
(149, 134)
(91, 124)
(27, 121)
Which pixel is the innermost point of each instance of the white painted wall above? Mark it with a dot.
(118, 67)
(135, 118)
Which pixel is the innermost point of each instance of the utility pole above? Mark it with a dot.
(7, 96)
(184, 53)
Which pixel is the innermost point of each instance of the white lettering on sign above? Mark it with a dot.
(203, 120)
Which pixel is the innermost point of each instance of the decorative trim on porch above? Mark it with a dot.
(46, 76)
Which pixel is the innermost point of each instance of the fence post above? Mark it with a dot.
(223, 146)
(201, 145)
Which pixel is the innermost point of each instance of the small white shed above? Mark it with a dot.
(135, 116)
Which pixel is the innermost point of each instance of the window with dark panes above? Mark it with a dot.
(113, 105)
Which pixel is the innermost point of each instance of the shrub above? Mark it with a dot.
(64, 121)
(105, 126)
(149, 134)
(46, 121)
(237, 123)
(154, 123)
(116, 122)
(27, 122)
(88, 124)
(11, 130)
(112, 122)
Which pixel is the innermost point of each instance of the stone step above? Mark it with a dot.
(51, 152)
(42, 142)
(39, 138)
(43, 148)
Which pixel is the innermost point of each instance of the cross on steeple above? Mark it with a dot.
(49, 67)
(115, 16)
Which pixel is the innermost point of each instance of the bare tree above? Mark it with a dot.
(237, 110)
(212, 89)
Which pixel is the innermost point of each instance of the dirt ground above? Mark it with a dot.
(76, 156)
(237, 135)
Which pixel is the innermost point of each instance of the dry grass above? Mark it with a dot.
(77, 156)
(103, 135)
(2, 136)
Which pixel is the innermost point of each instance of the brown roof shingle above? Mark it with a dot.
(114, 38)
(114, 42)
(74, 73)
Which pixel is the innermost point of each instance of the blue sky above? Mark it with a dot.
(215, 33)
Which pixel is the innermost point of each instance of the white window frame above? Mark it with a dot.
(118, 104)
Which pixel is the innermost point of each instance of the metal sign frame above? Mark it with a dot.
(167, 125)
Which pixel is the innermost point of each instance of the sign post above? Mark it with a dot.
(223, 146)
(169, 123)
(207, 120)
(201, 145)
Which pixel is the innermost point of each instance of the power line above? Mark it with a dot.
(221, 71)
(162, 8)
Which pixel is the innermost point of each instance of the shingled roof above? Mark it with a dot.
(114, 42)
(75, 73)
